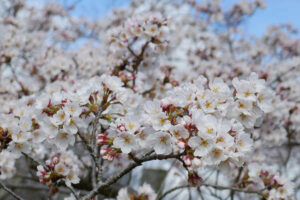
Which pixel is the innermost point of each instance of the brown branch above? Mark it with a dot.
(131, 166)
(132, 52)
(236, 180)
(218, 187)
(139, 59)
(73, 192)
(172, 190)
(88, 147)
(94, 144)
(24, 90)
(10, 192)
(36, 187)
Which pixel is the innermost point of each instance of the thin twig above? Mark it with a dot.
(218, 187)
(73, 192)
(172, 190)
(11, 192)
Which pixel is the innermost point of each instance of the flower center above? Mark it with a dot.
(127, 139)
(131, 125)
(247, 93)
(163, 140)
(216, 153)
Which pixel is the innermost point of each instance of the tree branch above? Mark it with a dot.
(218, 187)
(73, 192)
(131, 166)
(11, 192)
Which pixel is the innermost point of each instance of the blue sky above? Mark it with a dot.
(276, 12)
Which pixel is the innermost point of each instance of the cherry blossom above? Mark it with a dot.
(179, 88)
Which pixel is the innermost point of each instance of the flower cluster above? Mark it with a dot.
(135, 47)
(62, 166)
(272, 185)
(208, 121)
(7, 164)
(144, 192)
